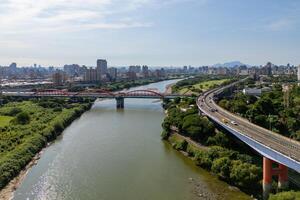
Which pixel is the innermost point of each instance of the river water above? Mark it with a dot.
(110, 154)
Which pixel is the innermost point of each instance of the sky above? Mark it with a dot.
(150, 32)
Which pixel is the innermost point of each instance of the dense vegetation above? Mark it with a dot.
(217, 155)
(291, 195)
(273, 110)
(31, 125)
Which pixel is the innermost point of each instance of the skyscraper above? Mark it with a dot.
(101, 67)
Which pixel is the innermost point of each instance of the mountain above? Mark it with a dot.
(230, 64)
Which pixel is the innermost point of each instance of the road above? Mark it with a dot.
(278, 143)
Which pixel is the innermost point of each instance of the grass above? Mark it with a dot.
(4, 120)
(201, 86)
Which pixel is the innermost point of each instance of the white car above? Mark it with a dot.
(234, 123)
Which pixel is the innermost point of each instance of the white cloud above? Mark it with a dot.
(35, 15)
(280, 24)
(34, 24)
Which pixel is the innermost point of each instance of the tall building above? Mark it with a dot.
(145, 71)
(112, 72)
(92, 75)
(101, 67)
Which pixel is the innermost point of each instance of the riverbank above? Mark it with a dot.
(211, 149)
(45, 121)
(176, 140)
(8, 191)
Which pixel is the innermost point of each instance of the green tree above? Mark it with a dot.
(221, 167)
(245, 174)
(22, 118)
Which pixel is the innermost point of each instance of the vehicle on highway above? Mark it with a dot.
(233, 122)
(225, 121)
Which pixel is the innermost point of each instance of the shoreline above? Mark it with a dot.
(8, 191)
(168, 89)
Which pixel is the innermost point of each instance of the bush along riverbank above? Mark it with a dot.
(209, 147)
(29, 126)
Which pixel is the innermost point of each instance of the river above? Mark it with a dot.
(110, 154)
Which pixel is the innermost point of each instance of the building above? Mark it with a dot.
(59, 78)
(92, 75)
(72, 70)
(112, 72)
(135, 68)
(145, 71)
(101, 67)
(267, 69)
(256, 91)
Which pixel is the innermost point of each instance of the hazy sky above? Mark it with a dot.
(152, 32)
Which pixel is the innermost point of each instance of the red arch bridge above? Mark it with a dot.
(97, 93)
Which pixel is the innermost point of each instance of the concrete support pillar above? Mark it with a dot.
(267, 177)
(120, 102)
(282, 177)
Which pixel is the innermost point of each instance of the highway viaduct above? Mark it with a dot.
(275, 149)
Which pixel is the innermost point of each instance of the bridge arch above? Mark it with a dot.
(142, 93)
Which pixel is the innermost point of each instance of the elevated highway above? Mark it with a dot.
(273, 147)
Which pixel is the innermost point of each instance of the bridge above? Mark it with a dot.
(276, 149)
(97, 93)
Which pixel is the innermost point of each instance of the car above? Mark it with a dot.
(233, 122)
(225, 121)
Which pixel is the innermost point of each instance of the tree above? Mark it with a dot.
(22, 118)
(177, 100)
(245, 174)
(220, 139)
(221, 167)
(14, 111)
(197, 127)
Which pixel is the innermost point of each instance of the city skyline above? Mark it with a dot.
(168, 33)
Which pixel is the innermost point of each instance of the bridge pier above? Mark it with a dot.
(120, 102)
(269, 171)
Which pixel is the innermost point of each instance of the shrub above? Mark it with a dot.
(165, 135)
(221, 167)
(181, 145)
(290, 195)
(245, 174)
(22, 118)
(14, 111)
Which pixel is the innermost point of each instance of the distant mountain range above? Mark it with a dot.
(230, 64)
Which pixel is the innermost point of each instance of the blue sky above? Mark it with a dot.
(152, 32)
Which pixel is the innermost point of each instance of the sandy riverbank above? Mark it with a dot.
(7, 193)
(169, 88)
